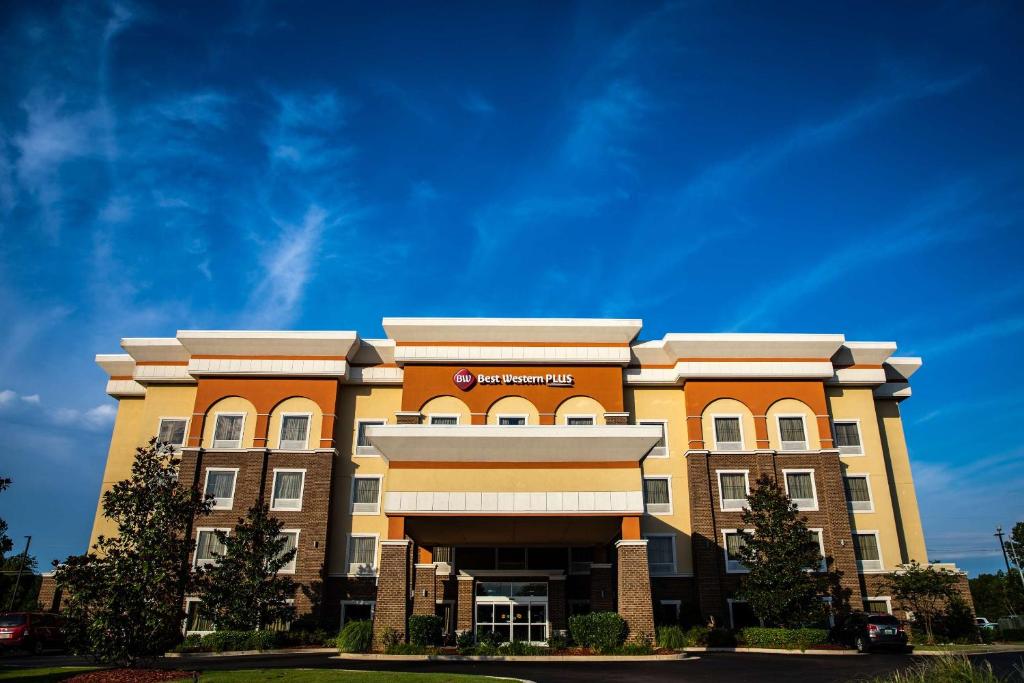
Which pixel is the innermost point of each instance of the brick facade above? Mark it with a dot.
(49, 595)
(602, 588)
(634, 590)
(424, 599)
(464, 605)
(392, 590)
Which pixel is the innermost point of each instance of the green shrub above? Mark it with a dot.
(599, 631)
(557, 641)
(696, 636)
(944, 669)
(721, 637)
(311, 637)
(407, 649)
(521, 649)
(425, 629)
(227, 641)
(192, 643)
(465, 642)
(390, 638)
(357, 636)
(671, 637)
(783, 638)
(1011, 635)
(633, 649)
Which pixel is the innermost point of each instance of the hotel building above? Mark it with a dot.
(508, 473)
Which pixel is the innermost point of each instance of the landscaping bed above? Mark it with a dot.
(130, 676)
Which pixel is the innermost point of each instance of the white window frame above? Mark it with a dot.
(823, 567)
(241, 432)
(280, 431)
(366, 450)
(352, 494)
(856, 450)
(184, 629)
(295, 558)
(721, 499)
(872, 569)
(217, 502)
(196, 562)
(664, 508)
(672, 543)
(184, 436)
(273, 486)
(658, 451)
(526, 419)
(714, 430)
(733, 566)
(871, 494)
(430, 418)
(591, 417)
(348, 554)
(344, 603)
(778, 427)
(678, 604)
(878, 598)
(813, 507)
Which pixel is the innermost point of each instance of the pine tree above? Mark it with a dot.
(784, 584)
(243, 591)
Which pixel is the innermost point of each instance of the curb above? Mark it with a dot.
(970, 653)
(249, 653)
(515, 658)
(772, 651)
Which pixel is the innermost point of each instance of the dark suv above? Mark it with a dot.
(868, 632)
(32, 631)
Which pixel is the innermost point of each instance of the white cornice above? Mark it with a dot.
(267, 343)
(900, 369)
(614, 355)
(155, 349)
(116, 364)
(267, 367)
(512, 330)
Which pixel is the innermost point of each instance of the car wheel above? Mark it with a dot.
(861, 645)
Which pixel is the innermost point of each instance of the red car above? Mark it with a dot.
(31, 631)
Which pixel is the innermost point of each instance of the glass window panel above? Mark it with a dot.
(529, 589)
(659, 549)
(208, 546)
(444, 420)
(502, 614)
(866, 547)
(579, 421)
(362, 550)
(537, 633)
(518, 421)
(734, 486)
(195, 621)
(367, 490)
(291, 539)
(511, 558)
(800, 485)
(220, 484)
(521, 632)
(792, 428)
(857, 489)
(847, 434)
(538, 614)
(876, 606)
(733, 543)
(484, 613)
(661, 425)
(727, 429)
(502, 632)
(294, 428)
(520, 614)
(229, 428)
(172, 432)
(362, 440)
(287, 487)
(656, 491)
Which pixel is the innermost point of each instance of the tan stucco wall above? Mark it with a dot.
(902, 481)
(727, 407)
(296, 404)
(513, 405)
(447, 405)
(577, 406)
(788, 407)
(231, 404)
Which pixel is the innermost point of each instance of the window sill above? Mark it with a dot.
(277, 509)
(734, 508)
(375, 513)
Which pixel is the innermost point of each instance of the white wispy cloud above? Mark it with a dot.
(7, 395)
(995, 329)
(306, 133)
(604, 124)
(475, 103)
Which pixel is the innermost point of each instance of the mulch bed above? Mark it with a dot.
(130, 676)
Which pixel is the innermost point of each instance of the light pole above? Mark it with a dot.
(21, 567)
(999, 534)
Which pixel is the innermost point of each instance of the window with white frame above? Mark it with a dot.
(363, 445)
(294, 432)
(512, 420)
(172, 430)
(733, 487)
(858, 492)
(792, 433)
(733, 540)
(362, 554)
(291, 537)
(220, 483)
(660, 449)
(865, 547)
(878, 605)
(287, 490)
(669, 611)
(728, 433)
(209, 548)
(580, 559)
(657, 495)
(819, 538)
(227, 432)
(444, 419)
(661, 553)
(801, 489)
(848, 437)
(357, 610)
(195, 622)
(579, 420)
(365, 495)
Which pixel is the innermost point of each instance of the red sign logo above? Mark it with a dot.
(464, 379)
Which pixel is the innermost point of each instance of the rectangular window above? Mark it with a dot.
(858, 493)
(734, 489)
(441, 553)
(294, 432)
(656, 496)
(579, 420)
(365, 495)
(580, 559)
(801, 490)
(791, 431)
(865, 547)
(660, 449)
(511, 558)
(172, 431)
(220, 483)
(357, 610)
(363, 445)
(877, 606)
(194, 622)
(208, 547)
(362, 553)
(444, 419)
(512, 420)
(734, 540)
(291, 542)
(661, 554)
(820, 540)
(227, 432)
(848, 438)
(288, 485)
(728, 436)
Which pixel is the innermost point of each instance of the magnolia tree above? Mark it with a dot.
(785, 582)
(243, 590)
(124, 597)
(925, 591)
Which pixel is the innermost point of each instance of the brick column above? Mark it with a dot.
(838, 534)
(49, 595)
(464, 605)
(635, 603)
(616, 418)
(602, 588)
(408, 417)
(392, 589)
(707, 554)
(557, 605)
(424, 597)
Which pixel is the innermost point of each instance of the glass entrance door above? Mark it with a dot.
(512, 611)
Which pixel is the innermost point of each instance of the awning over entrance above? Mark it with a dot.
(514, 444)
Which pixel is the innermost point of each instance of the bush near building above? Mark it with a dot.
(598, 631)
(356, 636)
(783, 638)
(425, 630)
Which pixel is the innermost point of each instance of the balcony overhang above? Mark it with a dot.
(513, 444)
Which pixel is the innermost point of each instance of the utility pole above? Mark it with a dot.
(21, 568)
(999, 535)
(1016, 562)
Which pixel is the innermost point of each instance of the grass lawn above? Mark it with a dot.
(337, 676)
(43, 674)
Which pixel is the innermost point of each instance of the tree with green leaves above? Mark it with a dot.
(243, 590)
(924, 590)
(785, 583)
(124, 598)
(997, 595)
(5, 541)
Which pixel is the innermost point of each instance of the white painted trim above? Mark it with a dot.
(295, 558)
(738, 568)
(352, 494)
(241, 432)
(721, 499)
(280, 431)
(593, 419)
(160, 424)
(273, 486)
(871, 494)
(778, 427)
(678, 604)
(665, 513)
(234, 482)
(500, 416)
(880, 598)
(371, 603)
(859, 450)
(714, 430)
(430, 418)
(366, 451)
(861, 568)
(376, 553)
(814, 487)
(658, 451)
(195, 551)
(652, 570)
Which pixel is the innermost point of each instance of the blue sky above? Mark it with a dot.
(703, 166)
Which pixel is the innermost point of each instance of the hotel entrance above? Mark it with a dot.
(512, 611)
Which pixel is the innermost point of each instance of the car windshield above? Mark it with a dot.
(12, 620)
(886, 619)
